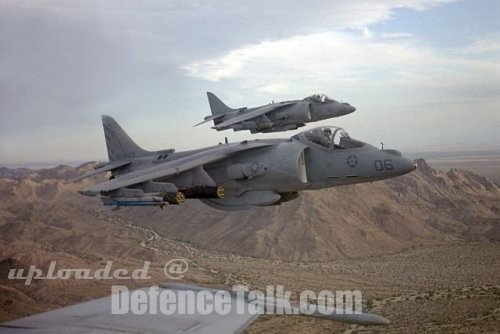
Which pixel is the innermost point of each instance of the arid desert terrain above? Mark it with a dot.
(422, 248)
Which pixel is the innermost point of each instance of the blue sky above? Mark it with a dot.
(451, 25)
(423, 74)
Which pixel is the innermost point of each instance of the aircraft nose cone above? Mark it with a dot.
(347, 108)
(409, 165)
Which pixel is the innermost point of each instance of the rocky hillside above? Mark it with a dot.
(424, 207)
(42, 219)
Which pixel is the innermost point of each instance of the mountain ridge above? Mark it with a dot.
(424, 207)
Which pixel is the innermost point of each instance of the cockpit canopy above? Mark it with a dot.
(319, 98)
(330, 137)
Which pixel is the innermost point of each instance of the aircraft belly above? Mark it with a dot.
(234, 201)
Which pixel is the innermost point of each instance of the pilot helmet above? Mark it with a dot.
(327, 131)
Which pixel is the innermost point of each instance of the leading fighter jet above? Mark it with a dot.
(236, 176)
(274, 117)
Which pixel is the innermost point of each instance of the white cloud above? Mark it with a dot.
(346, 59)
(396, 35)
(367, 33)
(275, 87)
(490, 44)
(65, 62)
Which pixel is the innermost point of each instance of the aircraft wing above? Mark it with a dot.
(173, 167)
(252, 114)
(95, 316)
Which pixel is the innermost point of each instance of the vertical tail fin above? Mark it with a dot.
(217, 106)
(120, 146)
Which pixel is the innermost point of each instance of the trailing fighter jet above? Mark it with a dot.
(274, 117)
(236, 176)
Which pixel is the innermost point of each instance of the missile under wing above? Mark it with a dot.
(275, 117)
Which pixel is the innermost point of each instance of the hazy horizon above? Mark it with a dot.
(490, 153)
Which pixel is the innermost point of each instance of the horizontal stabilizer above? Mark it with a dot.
(210, 118)
(106, 168)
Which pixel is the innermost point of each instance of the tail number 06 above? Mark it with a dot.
(381, 165)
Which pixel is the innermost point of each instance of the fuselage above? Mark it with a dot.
(289, 115)
(293, 165)
(236, 176)
(308, 161)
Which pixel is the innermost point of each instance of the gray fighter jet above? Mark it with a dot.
(274, 117)
(235, 176)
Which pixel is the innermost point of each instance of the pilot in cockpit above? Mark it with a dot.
(326, 138)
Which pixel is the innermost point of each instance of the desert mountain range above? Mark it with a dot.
(426, 206)
(425, 237)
